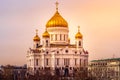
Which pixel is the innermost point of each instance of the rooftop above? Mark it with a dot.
(109, 59)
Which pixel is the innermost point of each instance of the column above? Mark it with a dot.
(53, 61)
(43, 61)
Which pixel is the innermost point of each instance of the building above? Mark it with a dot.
(105, 69)
(54, 49)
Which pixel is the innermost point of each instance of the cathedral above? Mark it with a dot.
(53, 49)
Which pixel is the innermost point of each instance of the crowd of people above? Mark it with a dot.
(44, 74)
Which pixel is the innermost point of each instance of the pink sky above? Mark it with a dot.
(99, 21)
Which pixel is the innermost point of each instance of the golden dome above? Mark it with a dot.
(57, 21)
(78, 35)
(36, 38)
(46, 34)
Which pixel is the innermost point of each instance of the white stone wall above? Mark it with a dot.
(55, 33)
(52, 56)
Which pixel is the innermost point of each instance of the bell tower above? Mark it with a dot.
(46, 39)
(78, 39)
(36, 40)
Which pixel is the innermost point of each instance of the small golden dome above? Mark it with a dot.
(57, 21)
(46, 34)
(78, 35)
(36, 38)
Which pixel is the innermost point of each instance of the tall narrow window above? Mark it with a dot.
(51, 37)
(47, 62)
(64, 37)
(79, 43)
(57, 52)
(36, 62)
(66, 61)
(80, 62)
(84, 62)
(57, 60)
(47, 52)
(37, 45)
(46, 42)
(60, 37)
(56, 37)
(75, 61)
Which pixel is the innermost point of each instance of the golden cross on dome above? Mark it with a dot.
(57, 5)
(36, 31)
(78, 28)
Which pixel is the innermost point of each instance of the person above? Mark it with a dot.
(57, 71)
(15, 77)
(22, 74)
(27, 75)
(0, 75)
(66, 73)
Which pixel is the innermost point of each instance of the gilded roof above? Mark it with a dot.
(110, 59)
(36, 38)
(46, 34)
(78, 36)
(57, 21)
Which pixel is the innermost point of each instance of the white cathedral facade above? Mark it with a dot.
(54, 50)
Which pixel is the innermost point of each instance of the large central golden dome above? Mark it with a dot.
(57, 21)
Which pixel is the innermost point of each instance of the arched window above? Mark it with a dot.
(37, 45)
(47, 52)
(75, 52)
(57, 52)
(46, 42)
(36, 62)
(79, 43)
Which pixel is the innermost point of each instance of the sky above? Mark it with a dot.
(99, 22)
